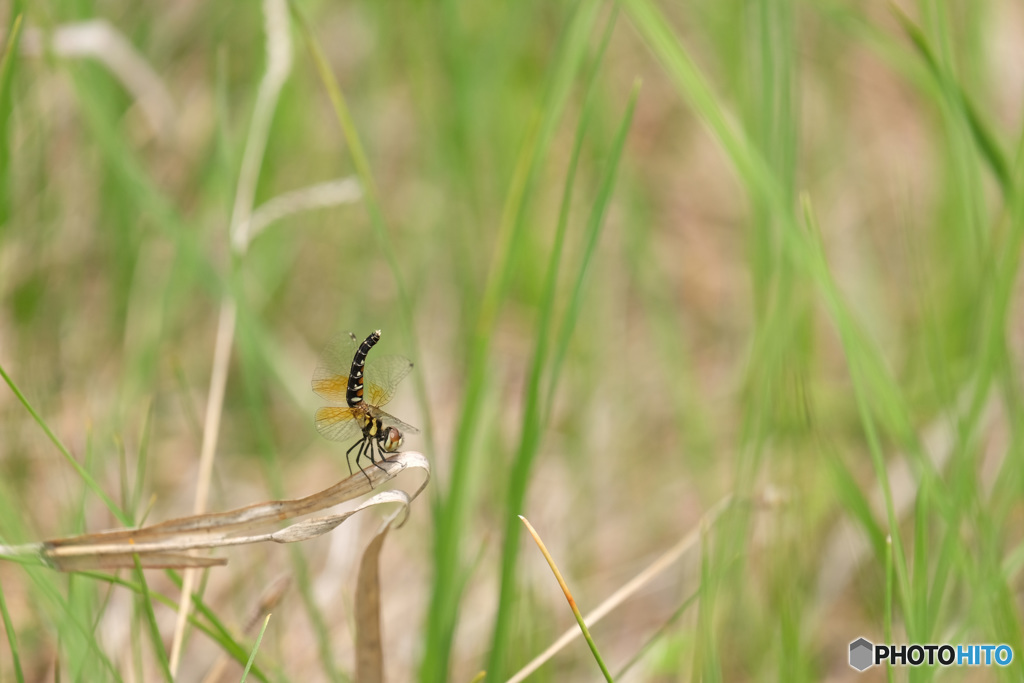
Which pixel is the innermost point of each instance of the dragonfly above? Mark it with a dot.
(357, 390)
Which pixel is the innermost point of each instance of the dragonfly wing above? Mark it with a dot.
(382, 375)
(337, 424)
(332, 388)
(392, 421)
(330, 379)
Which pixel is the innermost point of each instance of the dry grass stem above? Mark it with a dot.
(279, 61)
(101, 41)
(279, 64)
(319, 196)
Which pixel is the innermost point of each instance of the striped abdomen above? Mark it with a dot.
(354, 392)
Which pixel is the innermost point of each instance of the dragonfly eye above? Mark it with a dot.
(391, 440)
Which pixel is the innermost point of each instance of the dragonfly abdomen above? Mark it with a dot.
(354, 391)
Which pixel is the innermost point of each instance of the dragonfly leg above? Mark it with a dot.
(365, 445)
(349, 460)
(380, 452)
(361, 444)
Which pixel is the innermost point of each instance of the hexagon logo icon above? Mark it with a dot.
(861, 651)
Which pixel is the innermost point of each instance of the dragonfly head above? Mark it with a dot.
(391, 440)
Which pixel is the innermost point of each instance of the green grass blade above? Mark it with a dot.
(692, 84)
(77, 638)
(86, 477)
(919, 570)
(215, 631)
(568, 596)
(7, 71)
(595, 224)
(141, 463)
(451, 507)
(990, 150)
(531, 434)
(139, 190)
(553, 270)
(855, 503)
(862, 367)
(255, 649)
(662, 632)
(706, 663)
(12, 639)
(154, 631)
(888, 612)
(533, 415)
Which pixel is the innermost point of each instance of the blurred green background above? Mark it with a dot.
(645, 255)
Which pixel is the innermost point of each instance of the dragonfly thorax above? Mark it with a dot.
(389, 438)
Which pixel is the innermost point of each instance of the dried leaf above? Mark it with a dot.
(162, 545)
(369, 647)
(127, 561)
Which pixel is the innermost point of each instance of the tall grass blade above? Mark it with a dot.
(255, 649)
(693, 86)
(707, 664)
(554, 266)
(77, 638)
(12, 638)
(82, 472)
(7, 70)
(532, 427)
(451, 506)
(888, 618)
(662, 632)
(216, 631)
(990, 150)
(154, 631)
(595, 225)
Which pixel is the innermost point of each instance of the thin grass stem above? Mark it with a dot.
(568, 596)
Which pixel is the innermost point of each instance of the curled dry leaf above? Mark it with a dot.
(369, 644)
(162, 545)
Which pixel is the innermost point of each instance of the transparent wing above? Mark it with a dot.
(392, 421)
(381, 375)
(330, 379)
(337, 424)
